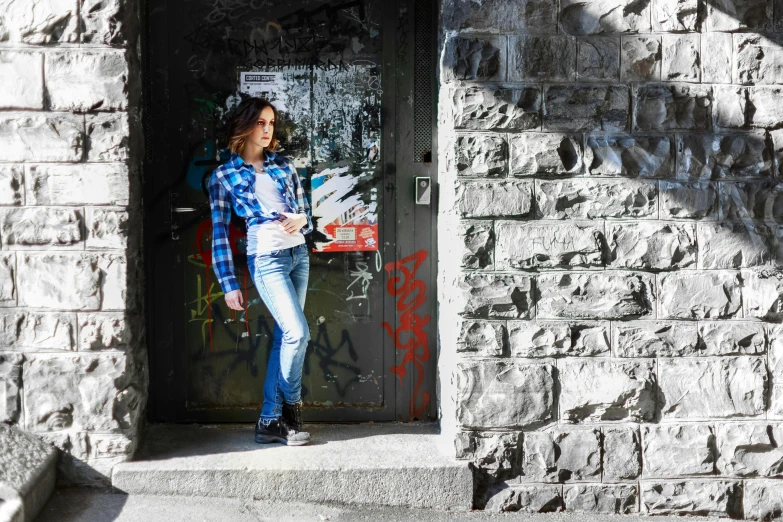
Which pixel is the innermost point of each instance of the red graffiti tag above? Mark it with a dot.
(411, 294)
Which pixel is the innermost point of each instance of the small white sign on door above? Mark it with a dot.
(267, 85)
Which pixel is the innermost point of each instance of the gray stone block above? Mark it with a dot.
(622, 453)
(27, 474)
(538, 498)
(601, 498)
(732, 108)
(38, 22)
(730, 15)
(655, 339)
(41, 137)
(586, 108)
(11, 185)
(552, 339)
(775, 359)
(572, 455)
(778, 11)
(21, 80)
(767, 109)
(488, 107)
(41, 277)
(107, 136)
(81, 184)
(481, 337)
(716, 53)
(750, 450)
(595, 390)
(640, 58)
(106, 331)
(692, 497)
(480, 155)
(651, 245)
(632, 156)
(604, 16)
(86, 80)
(681, 57)
(776, 403)
(729, 338)
(7, 280)
(495, 296)
(97, 392)
(757, 59)
(88, 458)
(721, 156)
(661, 107)
(485, 387)
(499, 454)
(762, 295)
(43, 227)
(107, 228)
(98, 281)
(477, 245)
(721, 387)
(545, 153)
(776, 138)
(672, 451)
(594, 296)
(532, 245)
(688, 200)
(106, 22)
(752, 200)
(739, 244)
(494, 198)
(598, 58)
(10, 388)
(542, 58)
(25, 330)
(592, 198)
(525, 16)
(699, 295)
(474, 58)
(763, 499)
(676, 15)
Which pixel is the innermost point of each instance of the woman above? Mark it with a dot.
(263, 187)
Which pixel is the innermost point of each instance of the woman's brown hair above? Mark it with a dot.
(243, 122)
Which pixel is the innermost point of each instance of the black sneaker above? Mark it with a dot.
(278, 431)
(292, 415)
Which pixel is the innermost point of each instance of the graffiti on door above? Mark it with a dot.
(410, 337)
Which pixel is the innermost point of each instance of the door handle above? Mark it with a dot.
(184, 209)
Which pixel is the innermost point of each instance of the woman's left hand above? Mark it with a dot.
(293, 222)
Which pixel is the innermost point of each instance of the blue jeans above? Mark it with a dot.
(281, 279)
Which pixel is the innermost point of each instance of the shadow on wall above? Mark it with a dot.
(632, 136)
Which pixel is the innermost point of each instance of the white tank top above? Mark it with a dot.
(268, 236)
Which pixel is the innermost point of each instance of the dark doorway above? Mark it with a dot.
(360, 131)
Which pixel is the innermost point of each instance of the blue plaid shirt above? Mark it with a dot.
(233, 185)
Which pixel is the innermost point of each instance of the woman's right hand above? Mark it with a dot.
(234, 299)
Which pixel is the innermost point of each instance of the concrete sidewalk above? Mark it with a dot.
(89, 505)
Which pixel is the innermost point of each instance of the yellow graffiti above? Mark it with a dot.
(202, 303)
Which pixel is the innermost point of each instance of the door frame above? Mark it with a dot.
(414, 227)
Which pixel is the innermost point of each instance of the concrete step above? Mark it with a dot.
(359, 464)
(28, 469)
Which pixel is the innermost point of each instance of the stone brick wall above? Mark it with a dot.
(610, 253)
(72, 362)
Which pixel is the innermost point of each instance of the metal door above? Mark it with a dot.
(343, 73)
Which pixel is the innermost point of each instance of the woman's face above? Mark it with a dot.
(265, 128)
